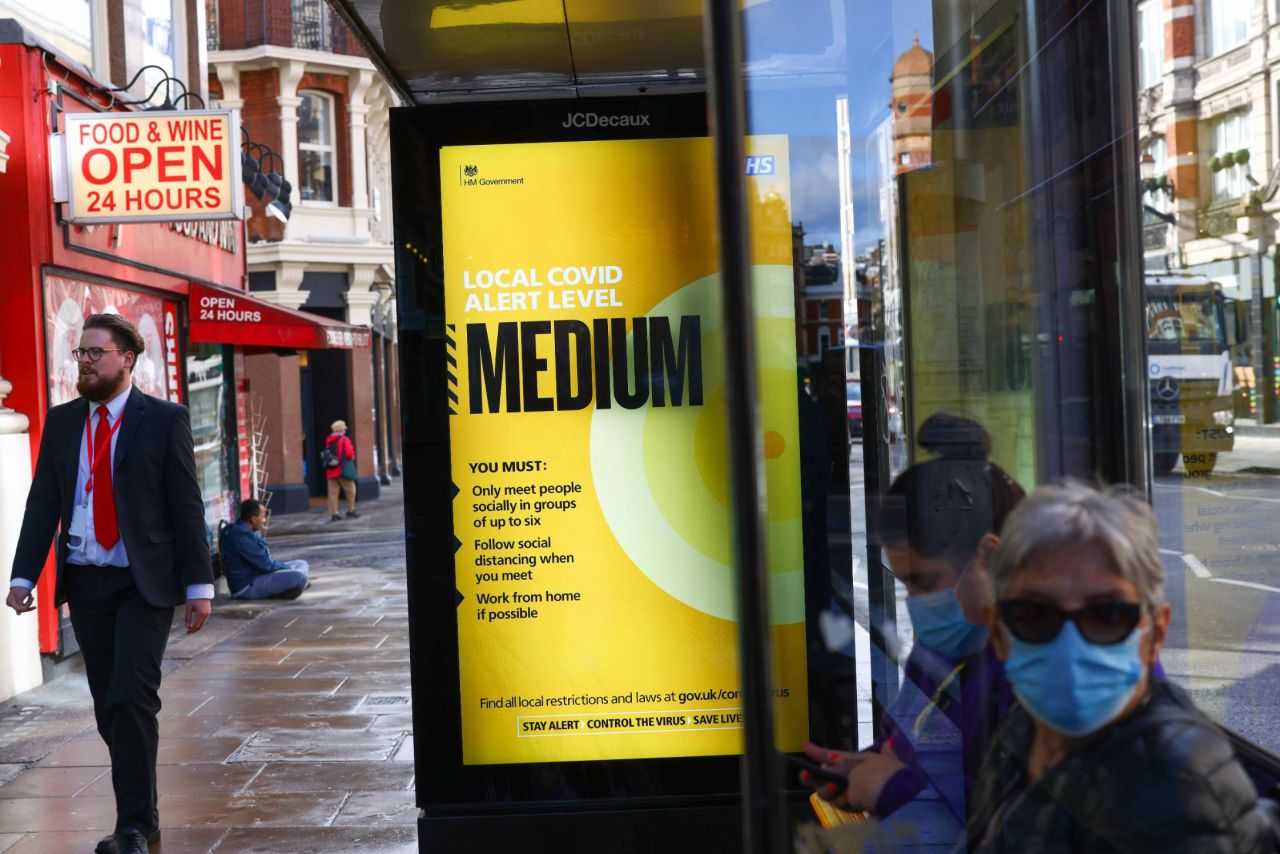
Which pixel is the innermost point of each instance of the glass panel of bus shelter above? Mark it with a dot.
(967, 243)
(1209, 228)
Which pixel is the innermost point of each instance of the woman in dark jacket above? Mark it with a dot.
(1097, 755)
(938, 524)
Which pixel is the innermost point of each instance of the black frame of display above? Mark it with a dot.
(676, 800)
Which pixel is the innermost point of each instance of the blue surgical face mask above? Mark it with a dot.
(938, 621)
(1071, 685)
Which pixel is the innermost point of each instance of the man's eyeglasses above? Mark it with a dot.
(93, 354)
(1039, 622)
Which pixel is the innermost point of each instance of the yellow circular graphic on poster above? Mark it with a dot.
(662, 475)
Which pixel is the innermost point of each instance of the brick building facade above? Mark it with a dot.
(1209, 80)
(306, 90)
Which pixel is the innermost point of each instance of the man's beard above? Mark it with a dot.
(97, 387)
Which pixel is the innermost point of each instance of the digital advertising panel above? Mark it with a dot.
(588, 448)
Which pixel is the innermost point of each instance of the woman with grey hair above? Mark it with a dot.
(1097, 755)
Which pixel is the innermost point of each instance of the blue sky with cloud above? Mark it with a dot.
(805, 54)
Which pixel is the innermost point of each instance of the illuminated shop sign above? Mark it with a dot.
(151, 166)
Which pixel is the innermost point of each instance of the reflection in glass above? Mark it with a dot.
(207, 401)
(65, 24)
(996, 177)
(158, 48)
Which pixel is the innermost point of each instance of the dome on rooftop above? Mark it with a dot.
(915, 61)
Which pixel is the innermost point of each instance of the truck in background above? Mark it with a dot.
(1189, 372)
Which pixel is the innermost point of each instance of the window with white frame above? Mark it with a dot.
(1229, 133)
(316, 173)
(1150, 43)
(1227, 25)
(1157, 150)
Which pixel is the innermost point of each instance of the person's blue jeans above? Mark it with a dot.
(275, 583)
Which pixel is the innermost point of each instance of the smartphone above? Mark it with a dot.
(817, 772)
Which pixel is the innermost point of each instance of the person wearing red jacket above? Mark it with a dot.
(340, 470)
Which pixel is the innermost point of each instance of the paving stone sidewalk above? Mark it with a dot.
(286, 725)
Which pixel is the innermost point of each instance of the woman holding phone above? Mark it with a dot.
(939, 525)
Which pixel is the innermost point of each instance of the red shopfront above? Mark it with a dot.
(53, 274)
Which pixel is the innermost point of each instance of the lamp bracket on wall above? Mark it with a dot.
(168, 81)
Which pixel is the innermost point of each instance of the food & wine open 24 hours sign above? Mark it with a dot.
(151, 166)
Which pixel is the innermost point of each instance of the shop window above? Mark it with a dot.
(1229, 134)
(208, 397)
(1150, 43)
(316, 148)
(1228, 24)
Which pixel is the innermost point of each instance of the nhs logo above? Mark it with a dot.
(759, 164)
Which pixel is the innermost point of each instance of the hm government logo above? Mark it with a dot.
(469, 176)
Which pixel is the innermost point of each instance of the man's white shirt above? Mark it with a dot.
(93, 554)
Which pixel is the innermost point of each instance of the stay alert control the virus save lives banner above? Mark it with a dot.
(588, 434)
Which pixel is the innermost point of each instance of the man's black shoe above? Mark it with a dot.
(351, 514)
(291, 593)
(116, 843)
(335, 518)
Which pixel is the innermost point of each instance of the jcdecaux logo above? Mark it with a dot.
(595, 120)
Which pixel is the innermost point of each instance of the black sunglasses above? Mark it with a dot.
(1107, 622)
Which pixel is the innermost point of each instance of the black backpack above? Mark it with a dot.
(329, 457)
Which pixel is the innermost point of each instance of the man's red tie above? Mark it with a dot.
(105, 527)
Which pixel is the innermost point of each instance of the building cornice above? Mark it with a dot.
(272, 56)
(268, 253)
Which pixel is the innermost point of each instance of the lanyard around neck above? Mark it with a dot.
(95, 458)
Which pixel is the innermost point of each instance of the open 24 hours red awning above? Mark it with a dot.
(224, 316)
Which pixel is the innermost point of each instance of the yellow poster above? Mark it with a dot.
(588, 434)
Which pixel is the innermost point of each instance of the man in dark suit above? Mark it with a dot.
(116, 472)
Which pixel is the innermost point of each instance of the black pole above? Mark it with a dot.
(764, 824)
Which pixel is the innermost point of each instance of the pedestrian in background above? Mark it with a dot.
(246, 560)
(117, 472)
(339, 459)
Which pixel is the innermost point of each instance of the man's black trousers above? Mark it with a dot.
(122, 640)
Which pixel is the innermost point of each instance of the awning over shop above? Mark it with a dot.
(224, 316)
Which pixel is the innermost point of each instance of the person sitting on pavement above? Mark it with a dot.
(939, 525)
(339, 460)
(1099, 753)
(247, 563)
